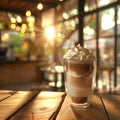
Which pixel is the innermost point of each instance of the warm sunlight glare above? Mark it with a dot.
(50, 32)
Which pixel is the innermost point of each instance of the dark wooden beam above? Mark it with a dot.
(12, 10)
(45, 2)
(81, 20)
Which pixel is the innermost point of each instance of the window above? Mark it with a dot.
(104, 24)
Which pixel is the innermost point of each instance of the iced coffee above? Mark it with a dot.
(79, 74)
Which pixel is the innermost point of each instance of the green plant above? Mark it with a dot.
(15, 40)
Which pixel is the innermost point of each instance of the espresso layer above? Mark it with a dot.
(79, 100)
(78, 68)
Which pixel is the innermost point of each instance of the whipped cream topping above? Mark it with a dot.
(70, 53)
(79, 54)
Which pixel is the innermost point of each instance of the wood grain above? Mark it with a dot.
(112, 105)
(5, 94)
(13, 103)
(21, 105)
(94, 112)
(41, 108)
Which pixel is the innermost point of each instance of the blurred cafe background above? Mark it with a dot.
(35, 34)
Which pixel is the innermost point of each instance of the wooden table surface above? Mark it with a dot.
(45, 105)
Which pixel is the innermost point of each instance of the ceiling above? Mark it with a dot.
(21, 6)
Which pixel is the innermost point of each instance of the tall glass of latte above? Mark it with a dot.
(79, 66)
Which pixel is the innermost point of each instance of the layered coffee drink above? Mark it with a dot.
(79, 73)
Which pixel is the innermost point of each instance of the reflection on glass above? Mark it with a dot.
(90, 26)
(59, 31)
(118, 78)
(90, 5)
(64, 30)
(59, 11)
(70, 9)
(106, 63)
(89, 33)
(104, 2)
(106, 51)
(70, 25)
(107, 22)
(118, 62)
(118, 20)
(91, 45)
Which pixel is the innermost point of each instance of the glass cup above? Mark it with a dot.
(79, 79)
